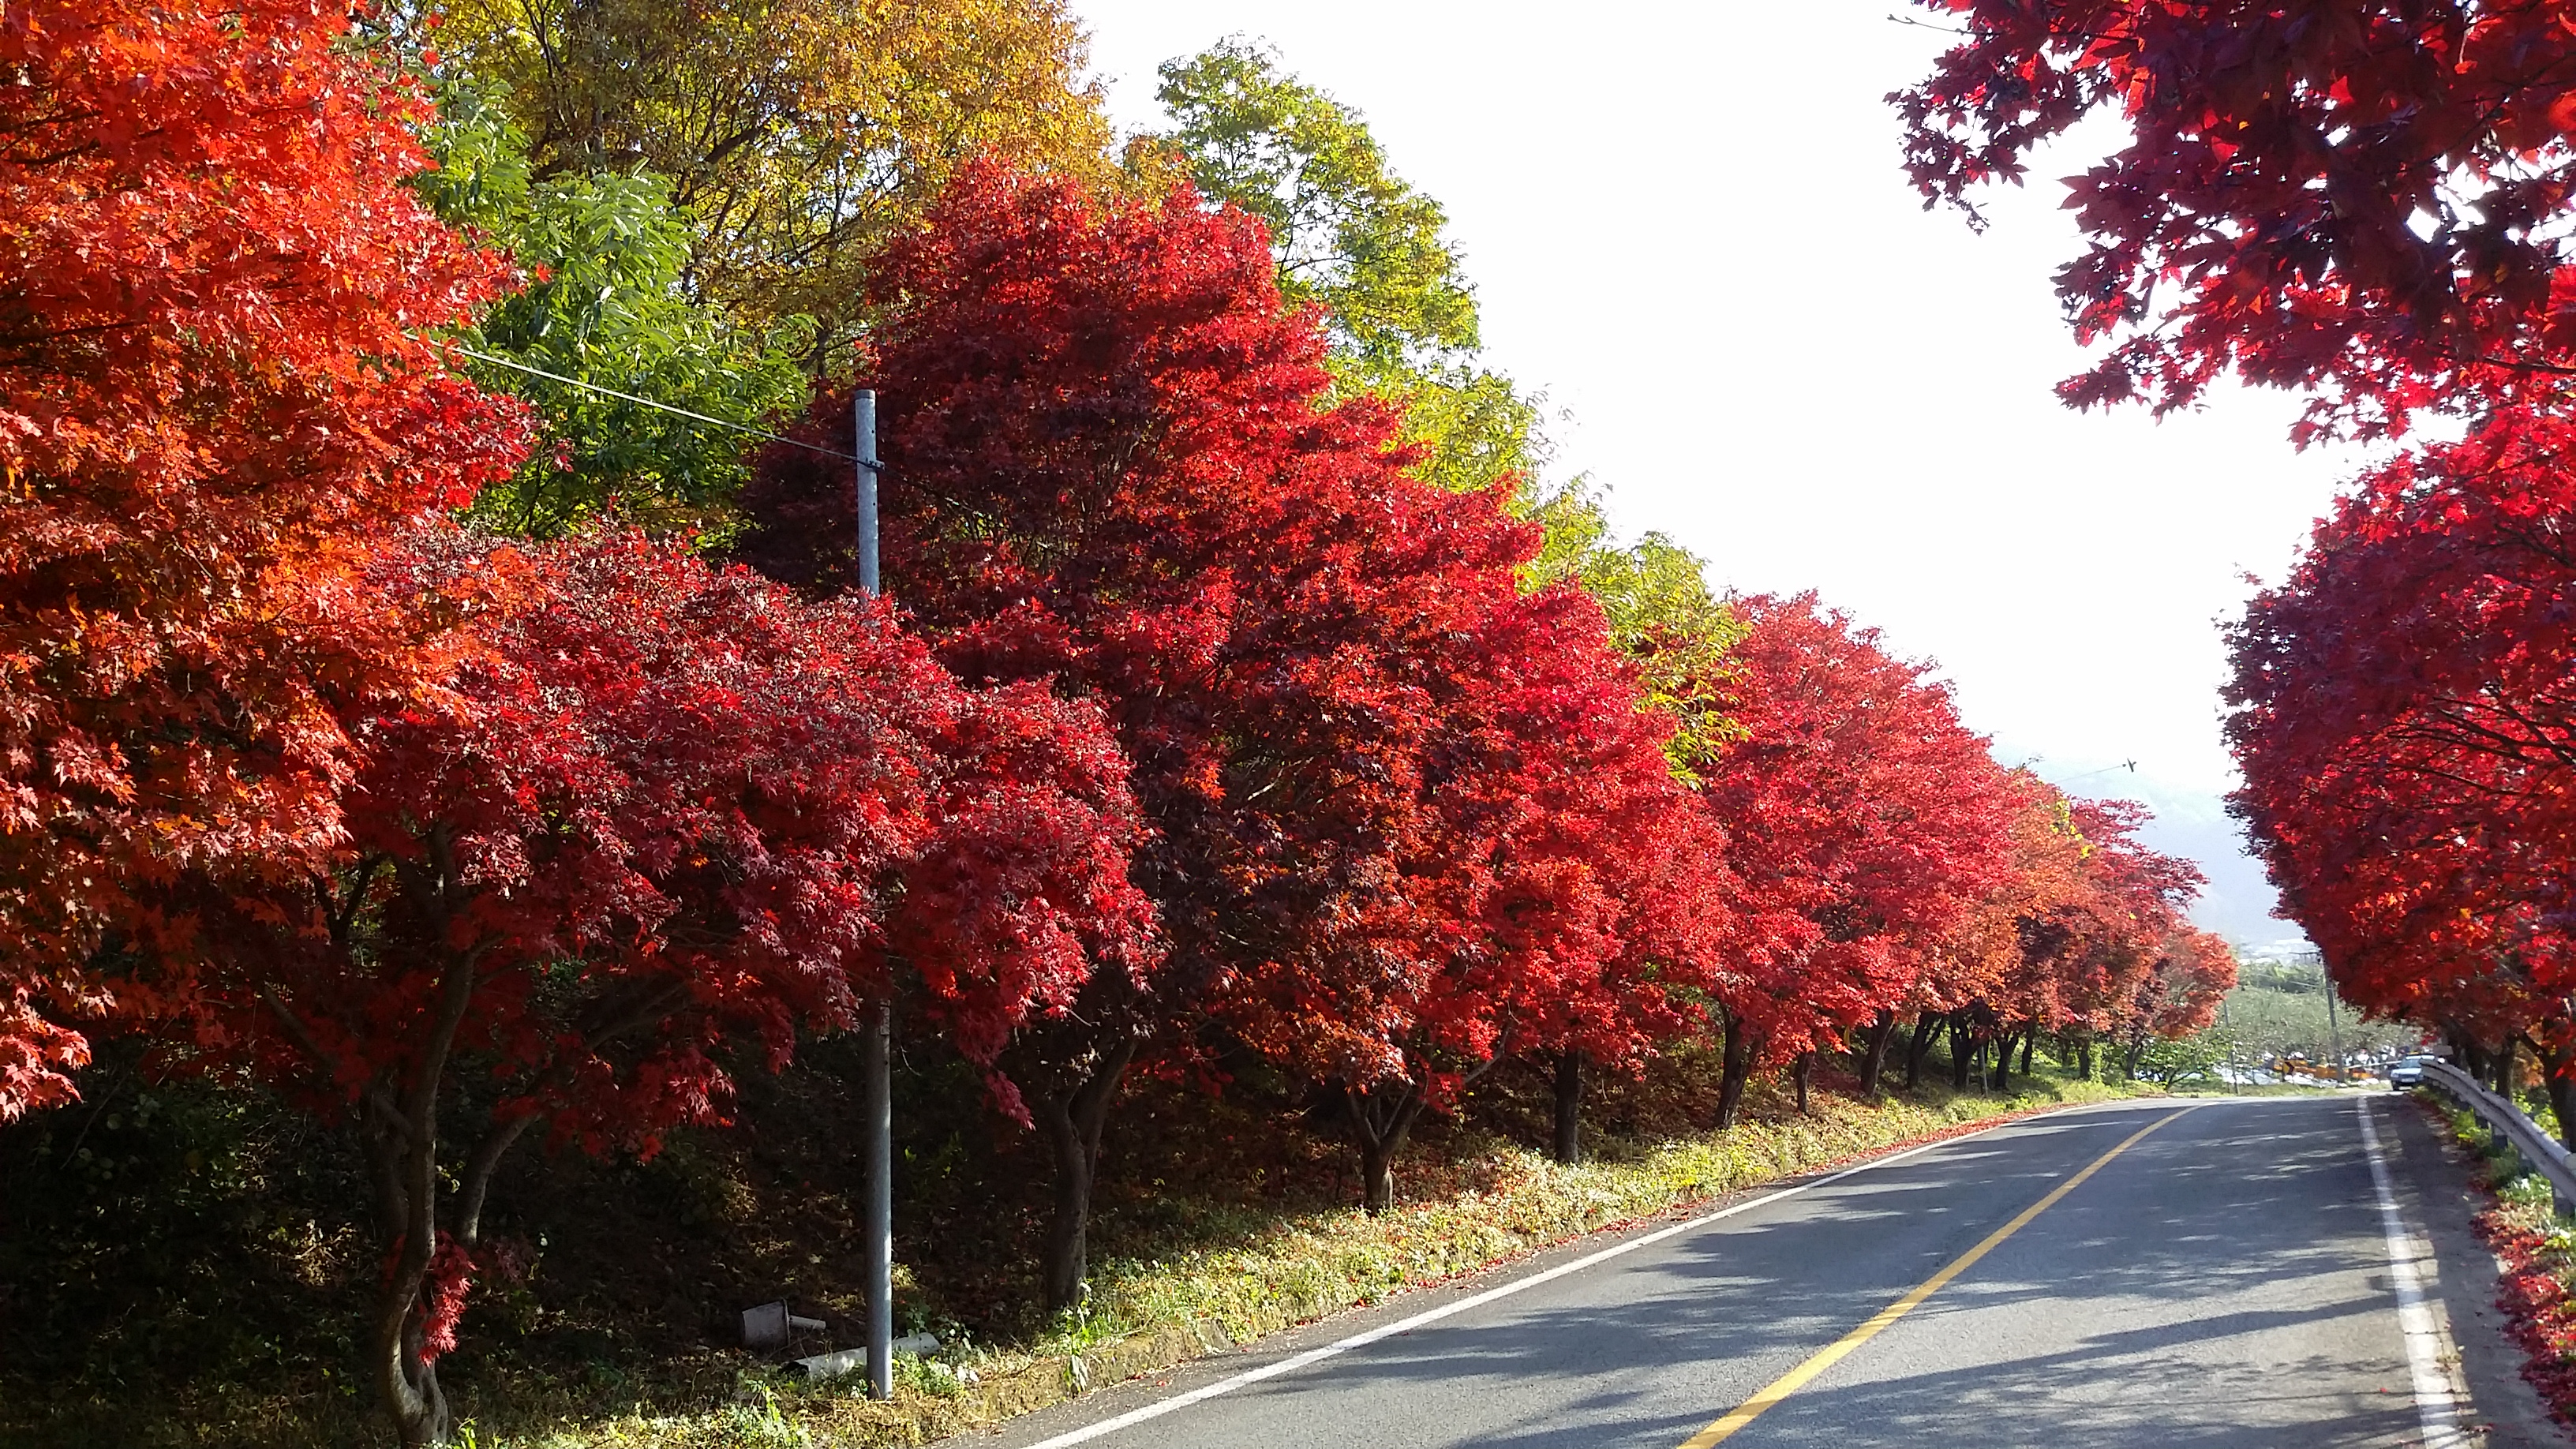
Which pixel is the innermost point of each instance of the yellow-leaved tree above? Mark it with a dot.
(796, 134)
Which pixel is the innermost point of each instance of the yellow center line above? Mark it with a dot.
(1825, 1358)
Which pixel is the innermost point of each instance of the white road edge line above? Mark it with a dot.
(2428, 1343)
(1160, 1407)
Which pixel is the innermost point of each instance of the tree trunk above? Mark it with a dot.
(1569, 1106)
(2137, 1048)
(1919, 1047)
(1377, 1179)
(1067, 1260)
(1959, 1062)
(1738, 1064)
(2029, 1043)
(406, 1148)
(1801, 1075)
(1072, 1120)
(1380, 1120)
(2084, 1058)
(2464, 1052)
(2504, 1070)
(2003, 1060)
(2561, 1082)
(2473, 1058)
(1873, 1062)
(420, 1412)
(406, 1181)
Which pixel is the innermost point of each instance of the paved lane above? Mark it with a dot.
(2224, 1281)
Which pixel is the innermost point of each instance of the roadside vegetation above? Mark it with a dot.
(2536, 1250)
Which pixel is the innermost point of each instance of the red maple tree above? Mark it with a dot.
(1573, 894)
(2354, 195)
(663, 809)
(2087, 937)
(2405, 724)
(2115, 951)
(1863, 823)
(1115, 464)
(2192, 975)
(216, 396)
(1609, 901)
(1110, 467)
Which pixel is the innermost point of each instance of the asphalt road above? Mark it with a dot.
(2224, 1280)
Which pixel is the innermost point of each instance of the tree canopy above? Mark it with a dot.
(659, 808)
(219, 393)
(2360, 197)
(2402, 717)
(603, 319)
(799, 136)
(2366, 202)
(1352, 238)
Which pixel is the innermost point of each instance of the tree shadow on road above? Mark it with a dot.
(2223, 1285)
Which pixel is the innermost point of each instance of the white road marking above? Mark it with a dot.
(2428, 1342)
(1249, 1377)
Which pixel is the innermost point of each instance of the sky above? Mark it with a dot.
(1688, 228)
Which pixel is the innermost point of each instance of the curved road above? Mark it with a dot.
(2231, 1273)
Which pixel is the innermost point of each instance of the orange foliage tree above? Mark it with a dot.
(216, 395)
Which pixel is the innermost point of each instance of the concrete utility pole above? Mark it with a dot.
(879, 1228)
(2227, 1034)
(2334, 1032)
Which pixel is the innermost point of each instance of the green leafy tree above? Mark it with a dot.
(2278, 1009)
(1353, 237)
(798, 135)
(604, 256)
(1662, 614)
(2186, 1061)
(1347, 231)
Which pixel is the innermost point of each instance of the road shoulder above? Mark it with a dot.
(2439, 1193)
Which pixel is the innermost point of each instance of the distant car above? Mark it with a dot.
(2407, 1072)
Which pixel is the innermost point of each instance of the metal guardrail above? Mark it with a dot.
(2540, 1152)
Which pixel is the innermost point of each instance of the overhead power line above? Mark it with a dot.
(517, 366)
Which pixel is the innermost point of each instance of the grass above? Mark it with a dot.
(1327, 1261)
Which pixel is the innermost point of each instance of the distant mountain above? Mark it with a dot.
(2239, 900)
(2195, 825)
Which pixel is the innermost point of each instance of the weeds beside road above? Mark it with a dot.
(2536, 1250)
